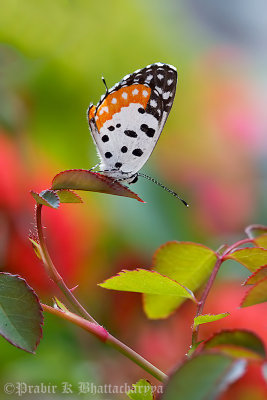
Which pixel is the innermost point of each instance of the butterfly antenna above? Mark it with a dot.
(163, 187)
(104, 81)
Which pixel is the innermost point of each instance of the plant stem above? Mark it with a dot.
(204, 297)
(220, 259)
(234, 246)
(136, 358)
(89, 326)
(105, 337)
(87, 322)
(52, 271)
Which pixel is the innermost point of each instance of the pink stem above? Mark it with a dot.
(220, 259)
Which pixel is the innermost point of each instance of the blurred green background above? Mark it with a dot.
(212, 152)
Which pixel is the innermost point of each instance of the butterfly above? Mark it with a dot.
(128, 120)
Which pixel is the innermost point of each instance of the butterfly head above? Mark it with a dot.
(121, 176)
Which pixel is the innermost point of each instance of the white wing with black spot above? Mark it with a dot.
(128, 120)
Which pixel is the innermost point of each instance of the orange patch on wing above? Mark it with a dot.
(115, 101)
(91, 112)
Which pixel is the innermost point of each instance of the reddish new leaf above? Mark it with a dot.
(81, 179)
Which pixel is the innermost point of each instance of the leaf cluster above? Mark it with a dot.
(179, 270)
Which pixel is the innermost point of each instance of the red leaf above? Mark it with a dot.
(82, 179)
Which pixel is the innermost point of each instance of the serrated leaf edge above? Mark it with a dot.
(71, 191)
(230, 256)
(231, 331)
(110, 182)
(225, 314)
(246, 282)
(248, 291)
(40, 313)
(123, 271)
(51, 191)
(47, 203)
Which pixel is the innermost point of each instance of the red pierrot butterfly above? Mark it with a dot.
(128, 120)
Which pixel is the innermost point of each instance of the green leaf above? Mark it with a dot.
(253, 231)
(142, 390)
(68, 196)
(257, 294)
(21, 315)
(59, 304)
(257, 276)
(82, 179)
(261, 241)
(205, 318)
(203, 377)
(36, 248)
(237, 343)
(47, 198)
(51, 198)
(251, 258)
(144, 281)
(190, 264)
